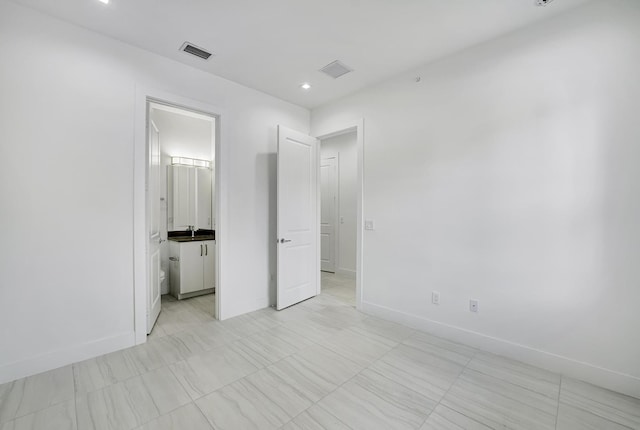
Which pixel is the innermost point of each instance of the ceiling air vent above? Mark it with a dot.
(192, 49)
(336, 69)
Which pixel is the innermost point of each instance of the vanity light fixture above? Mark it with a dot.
(201, 163)
(305, 86)
(184, 161)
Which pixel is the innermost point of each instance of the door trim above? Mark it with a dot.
(338, 129)
(140, 281)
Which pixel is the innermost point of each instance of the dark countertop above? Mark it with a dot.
(185, 236)
(193, 239)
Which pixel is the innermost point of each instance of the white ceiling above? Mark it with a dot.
(275, 45)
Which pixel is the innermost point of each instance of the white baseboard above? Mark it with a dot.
(64, 357)
(346, 272)
(607, 378)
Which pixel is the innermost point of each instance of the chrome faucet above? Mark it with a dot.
(193, 230)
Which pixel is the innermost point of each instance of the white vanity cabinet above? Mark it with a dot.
(192, 267)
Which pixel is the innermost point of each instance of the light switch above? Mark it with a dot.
(368, 224)
(341, 220)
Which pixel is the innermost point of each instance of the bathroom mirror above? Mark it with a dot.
(190, 198)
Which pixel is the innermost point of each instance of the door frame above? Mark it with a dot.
(338, 129)
(140, 218)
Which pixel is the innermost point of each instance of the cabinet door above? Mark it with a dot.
(184, 182)
(191, 271)
(209, 262)
(204, 197)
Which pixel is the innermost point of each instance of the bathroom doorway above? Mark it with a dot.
(181, 218)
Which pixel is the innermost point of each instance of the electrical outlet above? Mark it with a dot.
(368, 224)
(435, 298)
(473, 305)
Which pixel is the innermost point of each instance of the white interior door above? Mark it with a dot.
(298, 218)
(328, 205)
(153, 226)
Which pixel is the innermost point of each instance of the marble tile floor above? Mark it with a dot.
(317, 365)
(180, 315)
(341, 287)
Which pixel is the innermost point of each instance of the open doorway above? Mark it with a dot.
(181, 218)
(339, 185)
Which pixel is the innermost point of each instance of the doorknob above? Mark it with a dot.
(285, 240)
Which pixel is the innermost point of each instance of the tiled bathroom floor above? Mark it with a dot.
(317, 365)
(180, 315)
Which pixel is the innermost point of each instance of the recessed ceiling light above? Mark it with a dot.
(104, 1)
(305, 86)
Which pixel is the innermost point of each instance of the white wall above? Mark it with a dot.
(66, 186)
(343, 147)
(510, 174)
(180, 136)
(184, 136)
